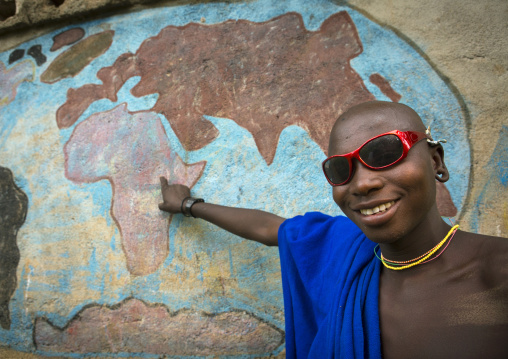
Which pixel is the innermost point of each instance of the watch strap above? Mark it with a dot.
(187, 204)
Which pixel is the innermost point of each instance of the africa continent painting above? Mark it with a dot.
(236, 101)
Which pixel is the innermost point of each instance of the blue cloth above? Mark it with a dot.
(330, 280)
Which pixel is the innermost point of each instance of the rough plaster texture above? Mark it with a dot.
(30, 13)
(21, 20)
(83, 258)
(116, 330)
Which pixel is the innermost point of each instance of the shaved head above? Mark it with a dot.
(373, 117)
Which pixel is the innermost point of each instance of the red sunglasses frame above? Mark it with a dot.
(408, 139)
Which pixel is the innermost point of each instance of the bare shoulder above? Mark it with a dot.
(491, 255)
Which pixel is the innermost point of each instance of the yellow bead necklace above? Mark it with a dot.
(418, 260)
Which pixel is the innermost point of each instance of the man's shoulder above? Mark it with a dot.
(491, 255)
(488, 245)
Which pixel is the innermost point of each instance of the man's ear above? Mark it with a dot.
(440, 171)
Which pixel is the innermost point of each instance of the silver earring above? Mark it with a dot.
(430, 141)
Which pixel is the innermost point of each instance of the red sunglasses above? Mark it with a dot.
(379, 152)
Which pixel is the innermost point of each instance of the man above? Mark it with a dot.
(434, 292)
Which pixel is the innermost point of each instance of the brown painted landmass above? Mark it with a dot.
(67, 37)
(264, 76)
(131, 151)
(135, 327)
(385, 87)
(70, 62)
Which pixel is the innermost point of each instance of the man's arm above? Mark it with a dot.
(251, 224)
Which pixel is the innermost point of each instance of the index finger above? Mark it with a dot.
(164, 181)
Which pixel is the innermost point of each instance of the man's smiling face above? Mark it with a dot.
(390, 203)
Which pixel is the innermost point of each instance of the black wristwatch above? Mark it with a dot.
(187, 204)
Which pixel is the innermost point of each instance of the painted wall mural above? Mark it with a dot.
(101, 329)
(234, 100)
(139, 150)
(11, 78)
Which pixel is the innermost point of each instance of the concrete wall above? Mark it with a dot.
(234, 99)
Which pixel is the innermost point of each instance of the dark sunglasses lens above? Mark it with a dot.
(337, 169)
(382, 151)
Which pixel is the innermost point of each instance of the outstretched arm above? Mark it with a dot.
(251, 224)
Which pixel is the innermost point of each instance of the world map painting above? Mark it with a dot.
(234, 100)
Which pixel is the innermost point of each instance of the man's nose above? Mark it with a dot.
(365, 180)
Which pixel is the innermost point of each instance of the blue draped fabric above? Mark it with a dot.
(330, 280)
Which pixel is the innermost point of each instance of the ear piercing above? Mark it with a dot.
(430, 141)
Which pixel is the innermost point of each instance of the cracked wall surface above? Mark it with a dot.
(22, 14)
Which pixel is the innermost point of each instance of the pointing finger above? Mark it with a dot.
(164, 181)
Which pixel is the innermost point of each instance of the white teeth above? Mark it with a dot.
(377, 209)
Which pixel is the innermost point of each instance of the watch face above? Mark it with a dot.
(189, 202)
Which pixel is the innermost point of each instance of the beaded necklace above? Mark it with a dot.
(424, 258)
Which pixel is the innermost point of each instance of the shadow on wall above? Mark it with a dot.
(13, 209)
(9, 8)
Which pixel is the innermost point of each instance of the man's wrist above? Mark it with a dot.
(187, 203)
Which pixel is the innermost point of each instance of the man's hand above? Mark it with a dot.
(172, 196)
(251, 224)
